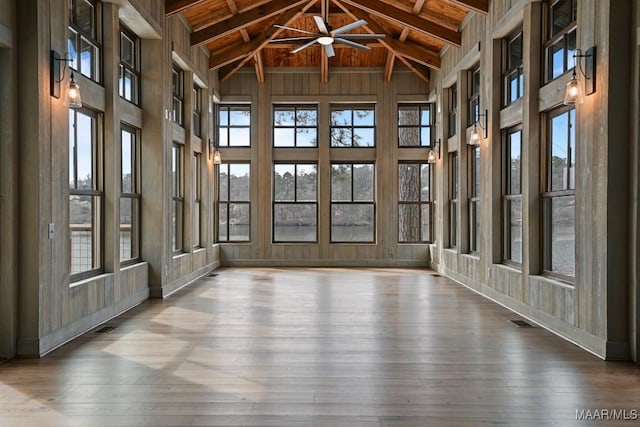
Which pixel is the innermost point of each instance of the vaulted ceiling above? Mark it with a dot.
(241, 33)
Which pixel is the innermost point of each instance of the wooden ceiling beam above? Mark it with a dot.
(405, 49)
(391, 57)
(242, 20)
(172, 7)
(244, 52)
(407, 19)
(478, 6)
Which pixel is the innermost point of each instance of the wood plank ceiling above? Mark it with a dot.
(239, 33)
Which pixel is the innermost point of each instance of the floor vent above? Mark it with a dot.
(521, 324)
(213, 275)
(105, 330)
(436, 275)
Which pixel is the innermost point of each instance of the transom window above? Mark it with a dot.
(415, 209)
(295, 126)
(177, 84)
(453, 109)
(513, 76)
(130, 195)
(474, 97)
(353, 202)
(561, 41)
(86, 197)
(85, 20)
(234, 202)
(353, 126)
(559, 198)
(234, 125)
(414, 125)
(512, 197)
(197, 110)
(129, 74)
(295, 202)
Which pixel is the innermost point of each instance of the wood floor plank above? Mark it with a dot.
(316, 347)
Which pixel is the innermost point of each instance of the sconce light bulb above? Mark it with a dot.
(217, 158)
(474, 138)
(431, 156)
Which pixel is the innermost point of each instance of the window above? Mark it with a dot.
(558, 202)
(177, 196)
(561, 41)
(197, 111)
(129, 74)
(474, 97)
(295, 126)
(85, 18)
(85, 193)
(234, 202)
(414, 202)
(513, 77)
(453, 199)
(234, 126)
(352, 203)
(177, 83)
(353, 126)
(196, 183)
(295, 202)
(130, 195)
(474, 199)
(512, 197)
(453, 109)
(414, 125)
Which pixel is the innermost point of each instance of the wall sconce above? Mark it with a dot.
(217, 157)
(72, 96)
(476, 137)
(573, 94)
(433, 152)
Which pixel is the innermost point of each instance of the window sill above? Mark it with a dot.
(101, 277)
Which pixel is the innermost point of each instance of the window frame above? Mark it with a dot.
(177, 198)
(295, 202)
(452, 93)
(420, 125)
(177, 91)
(512, 72)
(474, 82)
(509, 196)
(475, 180)
(134, 196)
(548, 195)
(295, 126)
(96, 192)
(93, 38)
(133, 69)
(196, 99)
(352, 200)
(229, 201)
(352, 127)
(429, 202)
(196, 207)
(561, 37)
(454, 194)
(228, 126)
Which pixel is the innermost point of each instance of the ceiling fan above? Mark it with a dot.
(327, 37)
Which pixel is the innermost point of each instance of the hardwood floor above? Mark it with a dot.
(316, 347)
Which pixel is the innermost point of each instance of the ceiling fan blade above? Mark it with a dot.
(321, 25)
(362, 36)
(329, 50)
(349, 27)
(352, 44)
(304, 46)
(295, 29)
(293, 39)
